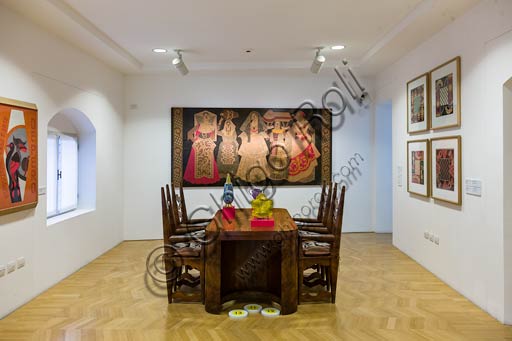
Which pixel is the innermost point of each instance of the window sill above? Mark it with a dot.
(69, 215)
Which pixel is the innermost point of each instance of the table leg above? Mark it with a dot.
(289, 274)
(212, 302)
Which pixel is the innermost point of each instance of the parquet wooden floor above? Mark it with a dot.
(382, 295)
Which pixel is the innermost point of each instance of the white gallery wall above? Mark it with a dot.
(36, 67)
(507, 196)
(470, 256)
(147, 140)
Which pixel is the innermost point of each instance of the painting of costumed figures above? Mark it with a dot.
(304, 153)
(201, 165)
(284, 146)
(18, 173)
(280, 143)
(227, 155)
(253, 150)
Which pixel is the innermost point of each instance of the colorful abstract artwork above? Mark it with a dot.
(418, 167)
(418, 104)
(445, 89)
(285, 146)
(18, 173)
(446, 174)
(444, 95)
(445, 177)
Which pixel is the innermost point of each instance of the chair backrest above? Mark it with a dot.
(175, 204)
(166, 216)
(321, 204)
(327, 205)
(183, 206)
(337, 214)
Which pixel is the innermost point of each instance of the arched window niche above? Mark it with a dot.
(71, 166)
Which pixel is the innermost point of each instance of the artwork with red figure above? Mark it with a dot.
(286, 146)
(18, 133)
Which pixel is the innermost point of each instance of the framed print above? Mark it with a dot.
(18, 164)
(288, 147)
(418, 103)
(445, 95)
(418, 167)
(446, 170)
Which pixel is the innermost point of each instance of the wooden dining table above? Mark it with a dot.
(249, 264)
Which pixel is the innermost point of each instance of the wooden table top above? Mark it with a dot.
(242, 223)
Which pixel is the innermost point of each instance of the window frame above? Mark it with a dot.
(58, 187)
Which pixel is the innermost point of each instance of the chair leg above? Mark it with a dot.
(326, 278)
(300, 280)
(334, 278)
(169, 282)
(202, 280)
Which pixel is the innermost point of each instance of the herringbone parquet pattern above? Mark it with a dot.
(382, 295)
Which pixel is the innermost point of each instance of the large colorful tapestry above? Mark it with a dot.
(18, 162)
(284, 146)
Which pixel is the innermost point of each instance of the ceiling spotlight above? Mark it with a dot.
(179, 64)
(318, 61)
(159, 50)
(337, 47)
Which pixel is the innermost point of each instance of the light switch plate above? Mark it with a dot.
(474, 187)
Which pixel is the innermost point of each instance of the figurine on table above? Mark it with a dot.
(228, 211)
(262, 211)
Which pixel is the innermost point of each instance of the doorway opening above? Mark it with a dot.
(383, 168)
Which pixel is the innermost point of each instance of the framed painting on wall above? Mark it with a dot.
(418, 167)
(446, 172)
(418, 104)
(255, 145)
(18, 165)
(445, 95)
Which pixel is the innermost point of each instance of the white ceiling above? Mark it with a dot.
(214, 34)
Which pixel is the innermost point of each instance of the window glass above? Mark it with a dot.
(62, 176)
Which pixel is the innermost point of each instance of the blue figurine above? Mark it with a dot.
(228, 195)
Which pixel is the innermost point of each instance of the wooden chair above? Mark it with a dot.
(181, 251)
(177, 214)
(325, 198)
(324, 225)
(182, 209)
(322, 251)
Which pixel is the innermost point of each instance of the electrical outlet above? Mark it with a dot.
(2, 270)
(20, 262)
(436, 240)
(11, 266)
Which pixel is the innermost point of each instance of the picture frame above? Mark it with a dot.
(418, 167)
(19, 158)
(256, 146)
(446, 174)
(445, 103)
(418, 104)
